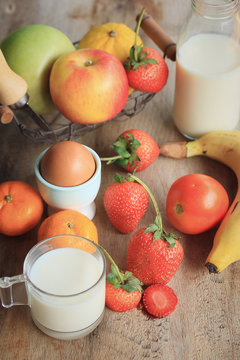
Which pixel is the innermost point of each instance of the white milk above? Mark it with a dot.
(207, 93)
(67, 271)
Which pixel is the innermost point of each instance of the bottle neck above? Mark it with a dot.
(215, 9)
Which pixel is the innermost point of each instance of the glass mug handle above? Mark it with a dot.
(13, 291)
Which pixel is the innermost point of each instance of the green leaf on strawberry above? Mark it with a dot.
(126, 151)
(127, 281)
(159, 233)
(138, 57)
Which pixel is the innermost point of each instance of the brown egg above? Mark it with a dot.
(67, 163)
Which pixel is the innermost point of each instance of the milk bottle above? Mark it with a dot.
(207, 91)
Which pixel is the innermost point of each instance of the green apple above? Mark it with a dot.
(31, 51)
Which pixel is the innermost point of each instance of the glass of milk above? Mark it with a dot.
(207, 89)
(63, 282)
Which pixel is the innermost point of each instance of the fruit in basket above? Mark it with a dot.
(89, 86)
(196, 203)
(68, 222)
(153, 255)
(159, 300)
(113, 38)
(21, 208)
(30, 52)
(223, 146)
(146, 69)
(125, 203)
(136, 150)
(67, 163)
(147, 76)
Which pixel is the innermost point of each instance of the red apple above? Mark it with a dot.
(88, 86)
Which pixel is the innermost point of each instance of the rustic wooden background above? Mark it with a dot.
(205, 325)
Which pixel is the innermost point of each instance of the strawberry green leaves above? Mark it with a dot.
(159, 233)
(128, 282)
(126, 149)
(137, 56)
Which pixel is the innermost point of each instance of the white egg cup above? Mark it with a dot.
(80, 197)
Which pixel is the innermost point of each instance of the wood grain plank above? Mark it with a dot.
(205, 324)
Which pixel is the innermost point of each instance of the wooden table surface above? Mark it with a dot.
(205, 324)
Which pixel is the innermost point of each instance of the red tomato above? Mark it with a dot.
(196, 203)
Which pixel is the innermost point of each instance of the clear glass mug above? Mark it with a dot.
(65, 263)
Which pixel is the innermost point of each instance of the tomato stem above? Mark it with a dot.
(179, 209)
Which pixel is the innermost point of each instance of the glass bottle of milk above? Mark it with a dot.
(207, 90)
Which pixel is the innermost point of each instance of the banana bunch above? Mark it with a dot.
(223, 146)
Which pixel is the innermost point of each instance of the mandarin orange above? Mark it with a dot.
(69, 222)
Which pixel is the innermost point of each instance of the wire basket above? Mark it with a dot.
(63, 129)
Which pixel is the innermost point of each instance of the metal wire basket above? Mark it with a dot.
(63, 129)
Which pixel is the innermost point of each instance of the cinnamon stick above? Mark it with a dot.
(175, 150)
(6, 115)
(159, 36)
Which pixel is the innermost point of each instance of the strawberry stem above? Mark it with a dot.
(136, 34)
(120, 275)
(111, 159)
(156, 228)
(151, 197)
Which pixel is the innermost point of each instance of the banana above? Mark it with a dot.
(223, 146)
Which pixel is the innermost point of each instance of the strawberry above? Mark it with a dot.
(144, 75)
(123, 290)
(125, 203)
(146, 69)
(153, 260)
(135, 149)
(159, 300)
(153, 255)
(125, 295)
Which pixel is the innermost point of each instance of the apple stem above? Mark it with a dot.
(88, 63)
(136, 34)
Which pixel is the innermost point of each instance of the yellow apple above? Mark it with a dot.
(89, 86)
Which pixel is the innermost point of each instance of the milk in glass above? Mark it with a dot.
(71, 276)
